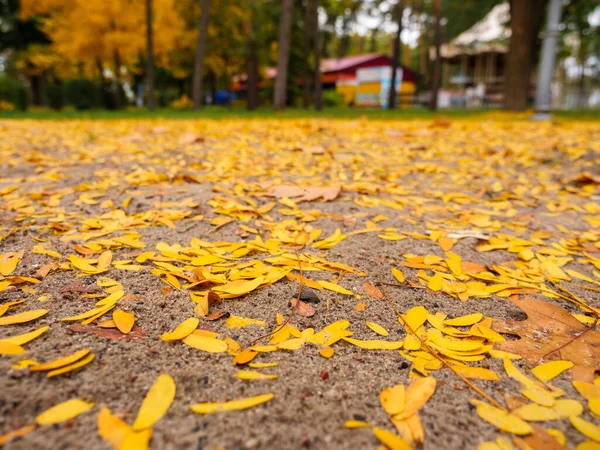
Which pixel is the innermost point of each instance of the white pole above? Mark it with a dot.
(543, 94)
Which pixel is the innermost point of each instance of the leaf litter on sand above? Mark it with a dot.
(428, 212)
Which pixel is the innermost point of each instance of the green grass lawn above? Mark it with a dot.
(217, 112)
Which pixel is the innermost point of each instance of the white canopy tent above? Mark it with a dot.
(477, 55)
(489, 35)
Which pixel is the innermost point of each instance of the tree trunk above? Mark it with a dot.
(581, 99)
(251, 29)
(437, 68)
(318, 100)
(149, 57)
(100, 68)
(398, 12)
(344, 42)
(581, 57)
(283, 58)
(117, 81)
(373, 40)
(525, 25)
(200, 52)
(308, 15)
(252, 82)
(37, 90)
(103, 87)
(423, 59)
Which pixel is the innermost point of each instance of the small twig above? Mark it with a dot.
(286, 321)
(218, 226)
(587, 287)
(574, 299)
(437, 356)
(584, 306)
(592, 327)
(406, 286)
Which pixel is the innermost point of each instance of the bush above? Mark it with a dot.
(332, 98)
(40, 109)
(6, 106)
(14, 92)
(56, 96)
(166, 97)
(82, 93)
(182, 102)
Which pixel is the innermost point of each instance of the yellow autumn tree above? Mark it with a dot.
(99, 34)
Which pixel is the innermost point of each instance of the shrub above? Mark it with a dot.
(6, 106)
(14, 92)
(82, 93)
(166, 97)
(56, 96)
(182, 102)
(332, 98)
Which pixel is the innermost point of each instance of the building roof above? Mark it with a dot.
(330, 65)
(490, 34)
(337, 64)
(336, 67)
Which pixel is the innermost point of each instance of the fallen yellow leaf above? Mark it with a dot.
(23, 317)
(233, 405)
(183, 330)
(63, 411)
(156, 403)
(123, 320)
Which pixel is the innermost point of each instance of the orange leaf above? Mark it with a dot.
(373, 291)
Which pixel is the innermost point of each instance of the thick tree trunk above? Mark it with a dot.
(437, 68)
(251, 29)
(318, 100)
(103, 85)
(423, 59)
(117, 81)
(252, 86)
(37, 90)
(200, 52)
(526, 19)
(283, 58)
(398, 12)
(149, 57)
(308, 16)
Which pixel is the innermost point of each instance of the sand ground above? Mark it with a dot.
(314, 396)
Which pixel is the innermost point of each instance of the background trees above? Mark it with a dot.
(195, 48)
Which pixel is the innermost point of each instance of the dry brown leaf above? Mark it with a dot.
(190, 138)
(213, 298)
(217, 315)
(312, 149)
(111, 333)
(304, 309)
(540, 439)
(584, 178)
(550, 333)
(305, 194)
(373, 291)
(45, 269)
